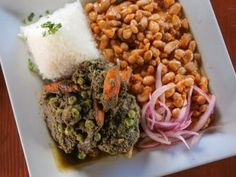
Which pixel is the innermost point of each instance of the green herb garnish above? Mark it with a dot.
(47, 12)
(52, 28)
(29, 18)
(31, 66)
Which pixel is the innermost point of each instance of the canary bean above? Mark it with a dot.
(181, 71)
(168, 3)
(164, 70)
(140, 60)
(137, 88)
(185, 39)
(203, 108)
(148, 80)
(192, 46)
(184, 24)
(178, 100)
(179, 54)
(89, 7)
(188, 56)
(92, 16)
(188, 82)
(204, 84)
(169, 93)
(128, 18)
(109, 54)
(191, 67)
(176, 21)
(165, 61)
(127, 33)
(124, 46)
(136, 78)
(175, 112)
(180, 86)
(109, 32)
(132, 59)
(117, 49)
(175, 9)
(104, 42)
(158, 44)
(151, 70)
(171, 46)
(140, 36)
(144, 96)
(123, 64)
(154, 26)
(155, 52)
(174, 65)
(169, 77)
(148, 55)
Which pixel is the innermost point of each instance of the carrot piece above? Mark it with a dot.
(52, 87)
(99, 113)
(100, 116)
(112, 83)
(60, 86)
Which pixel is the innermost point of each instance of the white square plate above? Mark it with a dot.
(24, 90)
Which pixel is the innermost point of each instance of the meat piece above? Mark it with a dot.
(66, 143)
(121, 131)
(84, 118)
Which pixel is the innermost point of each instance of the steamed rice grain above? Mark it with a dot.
(57, 55)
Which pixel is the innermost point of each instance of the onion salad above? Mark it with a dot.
(159, 125)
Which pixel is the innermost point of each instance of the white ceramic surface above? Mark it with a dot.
(24, 90)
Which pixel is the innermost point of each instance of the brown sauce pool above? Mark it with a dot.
(67, 162)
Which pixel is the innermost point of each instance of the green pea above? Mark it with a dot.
(81, 155)
(84, 94)
(61, 128)
(68, 131)
(97, 137)
(77, 106)
(72, 100)
(89, 124)
(121, 140)
(75, 113)
(58, 112)
(86, 105)
(132, 114)
(79, 138)
(53, 101)
(80, 81)
(129, 122)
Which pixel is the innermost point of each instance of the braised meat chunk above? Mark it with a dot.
(92, 112)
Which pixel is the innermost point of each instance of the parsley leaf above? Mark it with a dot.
(29, 18)
(52, 28)
(31, 66)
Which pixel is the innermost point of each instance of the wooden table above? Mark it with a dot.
(12, 162)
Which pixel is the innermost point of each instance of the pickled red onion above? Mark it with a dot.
(161, 127)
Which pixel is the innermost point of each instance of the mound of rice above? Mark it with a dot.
(57, 55)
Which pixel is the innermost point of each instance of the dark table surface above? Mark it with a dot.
(12, 161)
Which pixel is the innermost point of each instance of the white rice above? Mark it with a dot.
(57, 55)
